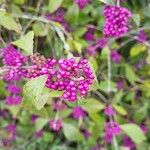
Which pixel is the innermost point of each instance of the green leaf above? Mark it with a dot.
(48, 137)
(80, 31)
(146, 11)
(39, 29)
(72, 14)
(109, 2)
(94, 66)
(8, 22)
(78, 46)
(120, 109)
(35, 86)
(37, 93)
(93, 105)
(130, 74)
(20, 2)
(16, 9)
(134, 132)
(104, 86)
(55, 93)
(136, 18)
(54, 5)
(40, 123)
(138, 48)
(41, 100)
(45, 112)
(26, 42)
(72, 133)
(105, 53)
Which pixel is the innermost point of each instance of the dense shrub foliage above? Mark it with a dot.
(74, 75)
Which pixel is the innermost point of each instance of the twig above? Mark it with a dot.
(44, 20)
(118, 2)
(109, 90)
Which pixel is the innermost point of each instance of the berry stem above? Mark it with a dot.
(109, 72)
(109, 89)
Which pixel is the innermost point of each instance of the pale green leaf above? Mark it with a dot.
(72, 14)
(72, 133)
(26, 42)
(134, 132)
(130, 74)
(138, 48)
(120, 109)
(136, 18)
(35, 86)
(41, 100)
(55, 93)
(39, 29)
(109, 2)
(94, 66)
(54, 5)
(8, 22)
(93, 105)
(78, 46)
(40, 123)
(20, 2)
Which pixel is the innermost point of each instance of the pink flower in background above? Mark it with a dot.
(34, 118)
(58, 16)
(55, 124)
(109, 111)
(11, 129)
(127, 142)
(58, 106)
(89, 35)
(78, 112)
(120, 85)
(91, 50)
(4, 113)
(144, 129)
(39, 134)
(142, 37)
(82, 3)
(13, 100)
(14, 89)
(111, 129)
(115, 56)
(102, 42)
(86, 134)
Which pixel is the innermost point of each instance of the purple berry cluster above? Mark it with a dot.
(12, 57)
(13, 60)
(116, 21)
(74, 78)
(68, 75)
